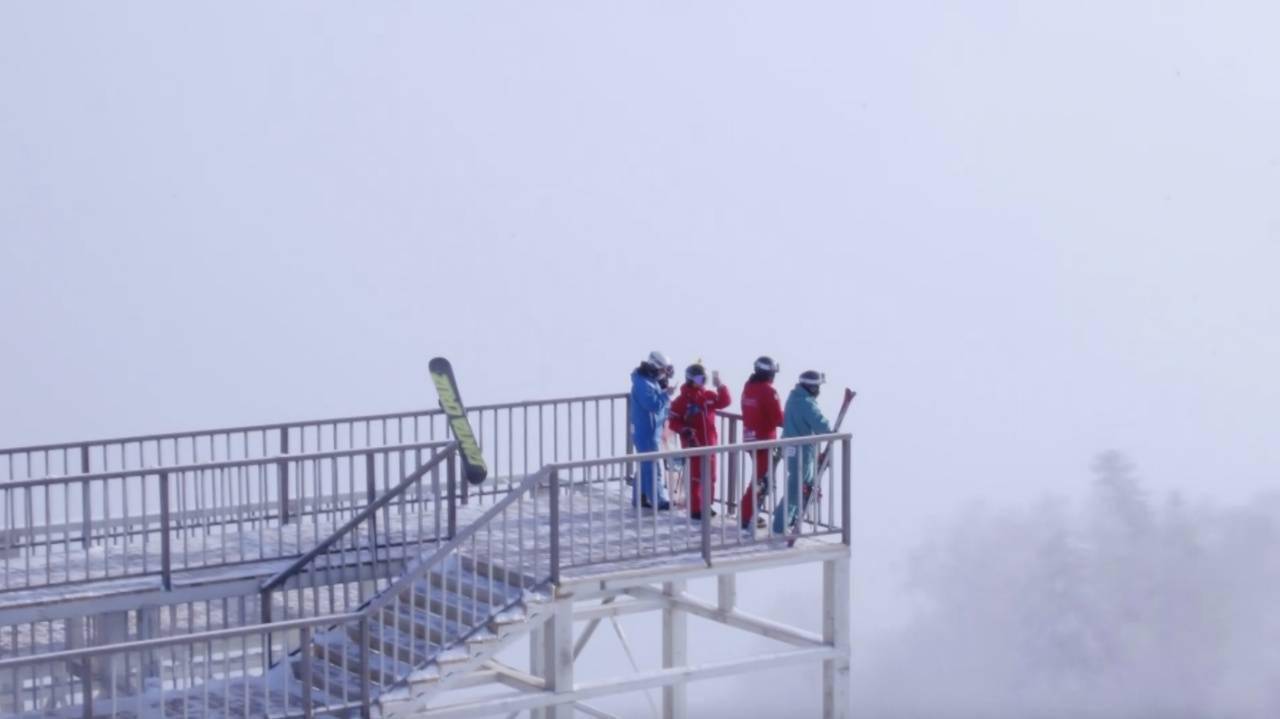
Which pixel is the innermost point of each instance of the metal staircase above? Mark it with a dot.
(445, 614)
(442, 626)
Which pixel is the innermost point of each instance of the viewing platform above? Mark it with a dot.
(345, 567)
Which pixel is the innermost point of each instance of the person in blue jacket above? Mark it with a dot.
(650, 401)
(801, 418)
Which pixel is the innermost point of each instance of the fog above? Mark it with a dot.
(1025, 233)
(1120, 605)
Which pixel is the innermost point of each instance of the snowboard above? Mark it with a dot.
(473, 464)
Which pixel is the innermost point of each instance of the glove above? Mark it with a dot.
(687, 434)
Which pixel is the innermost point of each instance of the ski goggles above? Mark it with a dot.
(698, 379)
(810, 380)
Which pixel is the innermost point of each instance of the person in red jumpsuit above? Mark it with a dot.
(761, 418)
(693, 417)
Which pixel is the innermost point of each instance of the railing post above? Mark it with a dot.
(466, 491)
(630, 441)
(305, 655)
(846, 510)
(283, 476)
(365, 706)
(86, 508)
(371, 489)
(704, 510)
(731, 500)
(451, 489)
(166, 553)
(264, 601)
(86, 686)
(553, 481)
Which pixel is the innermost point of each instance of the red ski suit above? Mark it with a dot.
(761, 418)
(693, 417)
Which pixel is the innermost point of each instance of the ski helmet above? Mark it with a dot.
(765, 363)
(812, 378)
(657, 361)
(696, 373)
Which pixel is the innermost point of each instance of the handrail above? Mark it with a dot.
(421, 568)
(305, 423)
(702, 451)
(230, 464)
(184, 639)
(364, 514)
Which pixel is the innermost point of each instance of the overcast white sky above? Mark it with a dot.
(1024, 232)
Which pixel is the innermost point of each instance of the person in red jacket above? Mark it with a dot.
(761, 418)
(693, 417)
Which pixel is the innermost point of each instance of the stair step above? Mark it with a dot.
(333, 684)
(339, 650)
(446, 603)
(486, 568)
(422, 624)
(386, 638)
(459, 580)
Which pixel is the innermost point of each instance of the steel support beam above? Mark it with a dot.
(727, 591)
(620, 685)
(558, 656)
(835, 632)
(737, 620)
(537, 663)
(675, 653)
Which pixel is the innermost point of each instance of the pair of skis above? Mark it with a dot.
(809, 491)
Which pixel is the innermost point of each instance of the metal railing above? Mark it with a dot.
(517, 438)
(600, 524)
(559, 500)
(214, 673)
(574, 515)
(555, 520)
(361, 552)
(131, 523)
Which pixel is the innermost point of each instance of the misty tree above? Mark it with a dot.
(1062, 634)
(1117, 607)
(1122, 504)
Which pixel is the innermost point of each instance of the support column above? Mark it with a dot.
(558, 656)
(727, 591)
(537, 662)
(110, 628)
(149, 628)
(835, 631)
(675, 653)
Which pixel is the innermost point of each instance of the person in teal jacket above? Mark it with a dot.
(801, 418)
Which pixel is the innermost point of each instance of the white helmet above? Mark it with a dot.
(766, 364)
(812, 378)
(657, 360)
